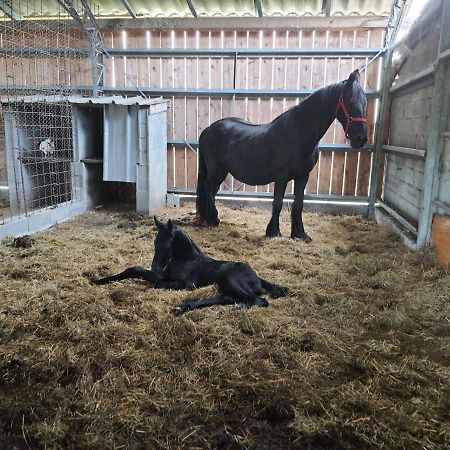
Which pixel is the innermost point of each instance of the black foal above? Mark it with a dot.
(179, 264)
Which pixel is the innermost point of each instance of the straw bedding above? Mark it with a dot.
(356, 357)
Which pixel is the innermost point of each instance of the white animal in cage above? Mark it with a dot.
(47, 146)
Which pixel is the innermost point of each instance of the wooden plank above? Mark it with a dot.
(440, 236)
(323, 76)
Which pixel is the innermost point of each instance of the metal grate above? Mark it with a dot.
(41, 63)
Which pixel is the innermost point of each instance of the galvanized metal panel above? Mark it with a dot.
(120, 143)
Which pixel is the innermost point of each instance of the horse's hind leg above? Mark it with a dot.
(190, 305)
(208, 183)
(131, 272)
(274, 290)
(273, 228)
(297, 229)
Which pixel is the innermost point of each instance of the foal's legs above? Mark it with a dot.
(190, 305)
(131, 272)
(273, 290)
(273, 228)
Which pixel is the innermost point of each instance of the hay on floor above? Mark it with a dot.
(356, 357)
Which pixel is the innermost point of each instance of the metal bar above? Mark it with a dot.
(244, 52)
(129, 9)
(414, 152)
(442, 208)
(50, 51)
(7, 8)
(250, 23)
(322, 147)
(326, 7)
(70, 9)
(444, 55)
(258, 8)
(398, 10)
(201, 92)
(262, 194)
(192, 8)
(398, 217)
(414, 79)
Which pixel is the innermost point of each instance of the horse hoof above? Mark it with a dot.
(200, 222)
(303, 236)
(178, 310)
(279, 291)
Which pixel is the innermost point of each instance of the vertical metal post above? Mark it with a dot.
(379, 132)
(398, 10)
(437, 122)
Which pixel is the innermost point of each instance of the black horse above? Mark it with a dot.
(179, 264)
(280, 151)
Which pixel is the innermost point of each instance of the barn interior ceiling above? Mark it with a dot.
(50, 9)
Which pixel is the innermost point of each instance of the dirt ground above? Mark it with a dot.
(356, 357)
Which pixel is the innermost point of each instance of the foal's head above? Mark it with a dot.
(351, 111)
(170, 242)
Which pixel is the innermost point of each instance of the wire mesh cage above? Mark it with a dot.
(42, 62)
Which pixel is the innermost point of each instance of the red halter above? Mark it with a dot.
(348, 117)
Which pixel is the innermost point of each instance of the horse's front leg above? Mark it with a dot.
(273, 228)
(131, 272)
(297, 229)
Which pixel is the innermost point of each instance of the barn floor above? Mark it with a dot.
(356, 357)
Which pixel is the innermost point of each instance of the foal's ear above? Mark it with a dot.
(159, 224)
(170, 226)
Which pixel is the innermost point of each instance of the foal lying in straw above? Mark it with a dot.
(179, 264)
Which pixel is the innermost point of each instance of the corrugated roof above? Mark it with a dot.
(208, 8)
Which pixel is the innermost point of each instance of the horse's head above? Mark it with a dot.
(163, 245)
(170, 242)
(350, 111)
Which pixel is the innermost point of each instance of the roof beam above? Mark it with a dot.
(326, 7)
(251, 23)
(6, 7)
(258, 8)
(192, 7)
(130, 10)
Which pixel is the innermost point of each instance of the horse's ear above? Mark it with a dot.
(170, 226)
(353, 76)
(159, 224)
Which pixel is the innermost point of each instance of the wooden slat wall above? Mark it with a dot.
(338, 173)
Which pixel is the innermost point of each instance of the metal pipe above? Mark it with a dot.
(322, 147)
(129, 9)
(414, 152)
(244, 52)
(252, 194)
(201, 92)
(50, 51)
(192, 8)
(413, 80)
(398, 217)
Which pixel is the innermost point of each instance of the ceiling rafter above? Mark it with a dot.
(326, 7)
(129, 8)
(7, 8)
(258, 8)
(192, 7)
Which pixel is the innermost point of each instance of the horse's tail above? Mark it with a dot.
(202, 187)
